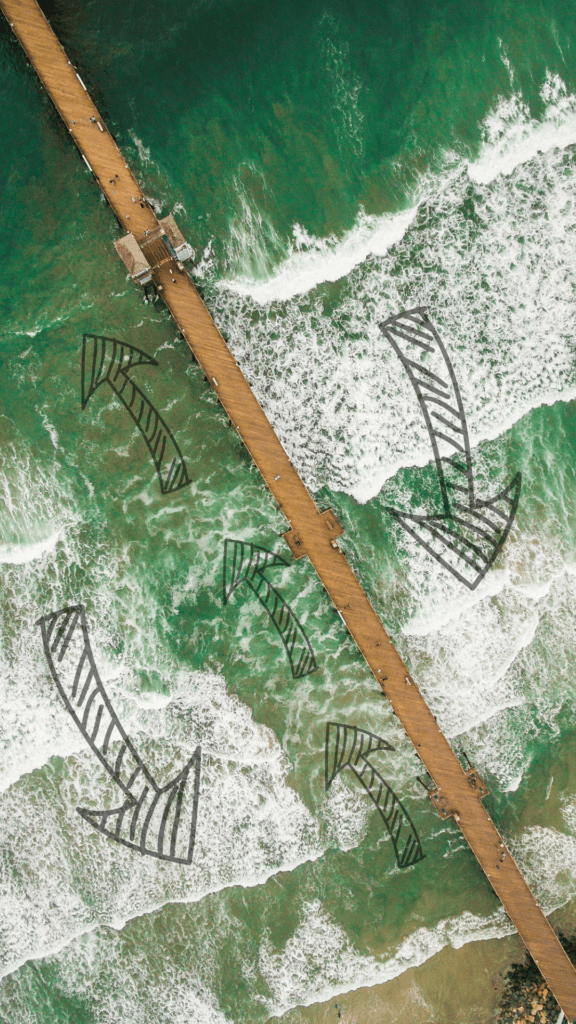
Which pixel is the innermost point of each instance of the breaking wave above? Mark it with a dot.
(469, 251)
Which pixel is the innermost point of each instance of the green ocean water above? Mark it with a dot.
(331, 164)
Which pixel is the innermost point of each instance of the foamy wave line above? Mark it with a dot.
(367, 488)
(120, 922)
(511, 137)
(319, 956)
(487, 668)
(20, 554)
(316, 260)
(435, 617)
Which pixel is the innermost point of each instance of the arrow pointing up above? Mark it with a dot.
(107, 361)
(245, 563)
(468, 535)
(350, 747)
(159, 821)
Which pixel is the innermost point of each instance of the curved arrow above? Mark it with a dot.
(349, 747)
(159, 821)
(245, 563)
(467, 537)
(107, 361)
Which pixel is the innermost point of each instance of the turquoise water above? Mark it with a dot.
(331, 164)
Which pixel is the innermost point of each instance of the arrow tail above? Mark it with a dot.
(244, 562)
(73, 669)
(349, 747)
(345, 745)
(425, 359)
(106, 361)
(150, 817)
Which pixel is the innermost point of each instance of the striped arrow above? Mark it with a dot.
(246, 563)
(468, 535)
(350, 747)
(159, 821)
(107, 361)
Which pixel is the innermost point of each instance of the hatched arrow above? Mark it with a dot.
(107, 361)
(246, 563)
(350, 747)
(468, 535)
(159, 821)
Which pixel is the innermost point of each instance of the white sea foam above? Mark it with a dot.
(143, 151)
(319, 962)
(251, 235)
(503, 742)
(547, 859)
(333, 389)
(347, 813)
(336, 393)
(100, 969)
(480, 658)
(250, 823)
(512, 137)
(19, 554)
(346, 87)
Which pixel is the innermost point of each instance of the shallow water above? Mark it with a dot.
(331, 165)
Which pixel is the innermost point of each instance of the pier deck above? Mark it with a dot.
(312, 533)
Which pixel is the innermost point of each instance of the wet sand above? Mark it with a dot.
(456, 986)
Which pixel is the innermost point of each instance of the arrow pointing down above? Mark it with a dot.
(468, 535)
(159, 821)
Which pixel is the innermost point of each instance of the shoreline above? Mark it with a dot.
(485, 981)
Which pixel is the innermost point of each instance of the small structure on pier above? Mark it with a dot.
(142, 256)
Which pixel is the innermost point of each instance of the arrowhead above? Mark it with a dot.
(345, 745)
(350, 747)
(106, 358)
(47, 623)
(243, 561)
(160, 822)
(468, 540)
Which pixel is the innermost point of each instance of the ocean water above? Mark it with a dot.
(331, 164)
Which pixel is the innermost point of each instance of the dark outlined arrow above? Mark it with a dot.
(468, 535)
(159, 821)
(107, 361)
(245, 563)
(350, 747)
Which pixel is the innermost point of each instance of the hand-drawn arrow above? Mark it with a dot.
(470, 532)
(107, 361)
(150, 819)
(350, 747)
(246, 563)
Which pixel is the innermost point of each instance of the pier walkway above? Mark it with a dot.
(312, 533)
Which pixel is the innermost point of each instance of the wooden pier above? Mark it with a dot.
(311, 533)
